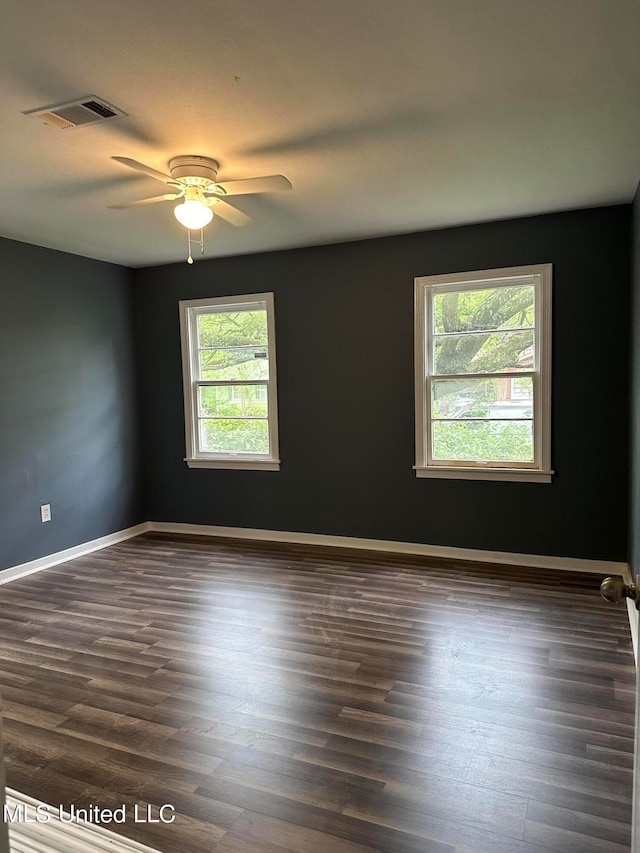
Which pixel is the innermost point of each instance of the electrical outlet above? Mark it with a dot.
(45, 512)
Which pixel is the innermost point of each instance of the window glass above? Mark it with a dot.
(483, 383)
(229, 379)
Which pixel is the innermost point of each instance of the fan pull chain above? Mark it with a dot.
(200, 242)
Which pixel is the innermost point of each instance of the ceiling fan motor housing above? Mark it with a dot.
(194, 170)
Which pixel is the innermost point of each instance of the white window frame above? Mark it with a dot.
(538, 471)
(189, 311)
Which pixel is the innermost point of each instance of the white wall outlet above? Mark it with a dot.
(45, 512)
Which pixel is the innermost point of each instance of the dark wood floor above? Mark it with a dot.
(288, 698)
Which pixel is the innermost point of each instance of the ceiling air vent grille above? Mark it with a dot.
(100, 109)
(88, 110)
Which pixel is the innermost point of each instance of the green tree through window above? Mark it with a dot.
(481, 369)
(232, 362)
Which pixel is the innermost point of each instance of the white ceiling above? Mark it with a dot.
(387, 116)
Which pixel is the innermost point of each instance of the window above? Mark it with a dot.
(229, 369)
(483, 375)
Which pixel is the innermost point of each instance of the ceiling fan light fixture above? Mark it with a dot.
(193, 213)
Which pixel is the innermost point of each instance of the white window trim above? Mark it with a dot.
(189, 311)
(540, 470)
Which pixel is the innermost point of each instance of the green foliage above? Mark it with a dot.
(492, 340)
(483, 441)
(235, 436)
(491, 313)
(233, 345)
(233, 401)
(233, 329)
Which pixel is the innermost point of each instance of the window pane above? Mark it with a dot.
(232, 329)
(483, 441)
(496, 399)
(241, 363)
(229, 401)
(491, 352)
(234, 436)
(486, 309)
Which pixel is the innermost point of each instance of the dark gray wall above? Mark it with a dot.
(634, 503)
(344, 318)
(69, 419)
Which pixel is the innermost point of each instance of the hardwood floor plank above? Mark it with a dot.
(586, 829)
(288, 698)
(573, 791)
(430, 830)
(331, 821)
(386, 763)
(254, 831)
(558, 838)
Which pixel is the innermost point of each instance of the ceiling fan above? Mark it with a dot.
(194, 179)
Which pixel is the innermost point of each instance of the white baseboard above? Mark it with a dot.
(69, 553)
(570, 564)
(44, 831)
(539, 561)
(634, 620)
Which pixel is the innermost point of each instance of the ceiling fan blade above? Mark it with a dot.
(146, 170)
(268, 184)
(228, 212)
(153, 200)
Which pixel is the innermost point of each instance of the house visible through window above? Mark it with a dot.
(229, 372)
(483, 374)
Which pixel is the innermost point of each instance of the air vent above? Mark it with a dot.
(78, 113)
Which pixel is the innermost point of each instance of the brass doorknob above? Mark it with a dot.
(616, 590)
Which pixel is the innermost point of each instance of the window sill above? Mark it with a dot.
(513, 475)
(236, 464)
